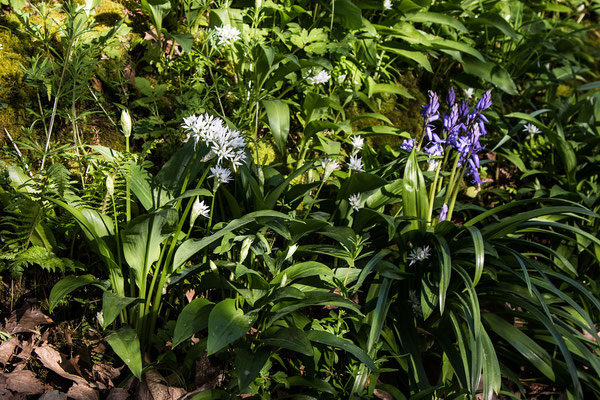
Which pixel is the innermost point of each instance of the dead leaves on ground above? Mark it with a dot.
(28, 360)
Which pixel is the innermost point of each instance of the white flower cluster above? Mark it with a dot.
(227, 34)
(227, 145)
(417, 255)
(318, 79)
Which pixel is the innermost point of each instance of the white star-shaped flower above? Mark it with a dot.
(356, 164)
(354, 201)
(419, 254)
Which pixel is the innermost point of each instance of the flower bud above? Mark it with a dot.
(126, 123)
(110, 185)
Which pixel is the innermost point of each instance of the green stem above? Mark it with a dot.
(432, 191)
(314, 200)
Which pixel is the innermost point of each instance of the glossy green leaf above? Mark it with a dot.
(67, 285)
(248, 365)
(301, 270)
(112, 305)
(126, 345)
(330, 339)
(192, 246)
(290, 338)
(192, 319)
(278, 113)
(226, 324)
(437, 18)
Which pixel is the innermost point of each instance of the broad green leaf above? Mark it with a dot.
(142, 241)
(248, 365)
(458, 46)
(301, 270)
(226, 324)
(312, 383)
(192, 246)
(278, 113)
(112, 305)
(158, 10)
(438, 19)
(126, 345)
(417, 56)
(496, 21)
(289, 338)
(491, 72)
(330, 339)
(374, 87)
(67, 285)
(349, 13)
(192, 319)
(140, 182)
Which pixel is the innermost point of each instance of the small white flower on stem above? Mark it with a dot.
(356, 164)
(227, 34)
(354, 201)
(319, 78)
(329, 165)
(531, 129)
(417, 255)
(357, 143)
(221, 174)
(199, 209)
(469, 92)
(387, 4)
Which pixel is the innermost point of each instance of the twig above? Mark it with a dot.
(18, 151)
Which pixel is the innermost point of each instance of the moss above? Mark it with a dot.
(267, 153)
(14, 94)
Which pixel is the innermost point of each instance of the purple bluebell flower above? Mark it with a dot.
(408, 145)
(434, 150)
(472, 170)
(451, 120)
(463, 109)
(451, 97)
(444, 212)
(430, 110)
(485, 101)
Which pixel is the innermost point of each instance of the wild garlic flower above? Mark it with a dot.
(356, 164)
(329, 165)
(199, 209)
(387, 4)
(318, 79)
(469, 92)
(221, 174)
(417, 255)
(531, 129)
(354, 201)
(227, 34)
(226, 144)
(357, 143)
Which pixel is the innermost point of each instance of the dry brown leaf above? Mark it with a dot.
(25, 320)
(24, 382)
(26, 349)
(52, 360)
(118, 394)
(154, 387)
(105, 373)
(382, 394)
(53, 395)
(82, 392)
(7, 349)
